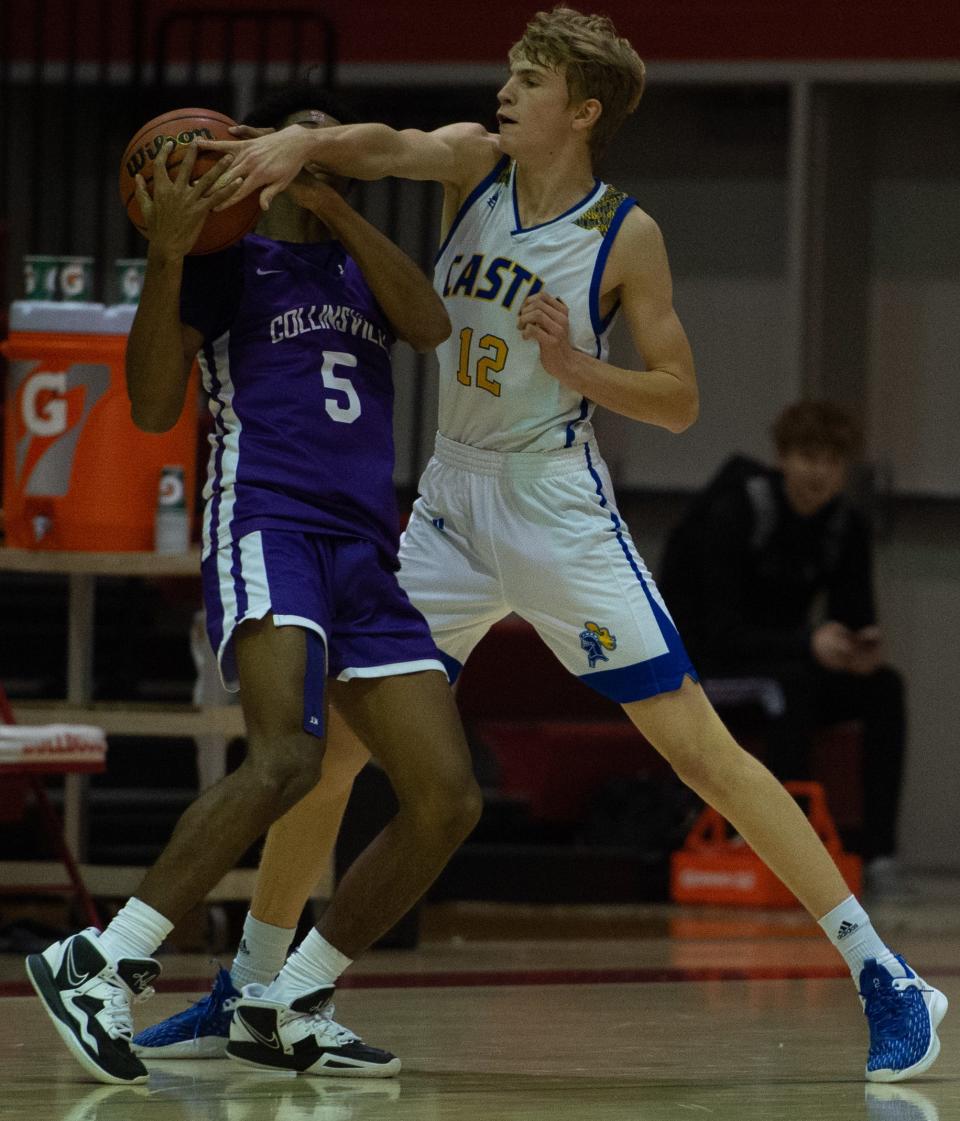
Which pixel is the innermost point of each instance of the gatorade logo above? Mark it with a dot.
(171, 489)
(41, 413)
(73, 280)
(131, 283)
(52, 408)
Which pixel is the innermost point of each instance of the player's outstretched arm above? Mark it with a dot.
(160, 350)
(456, 155)
(665, 393)
(415, 311)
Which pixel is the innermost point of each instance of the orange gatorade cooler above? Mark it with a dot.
(78, 474)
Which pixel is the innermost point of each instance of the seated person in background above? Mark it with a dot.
(744, 574)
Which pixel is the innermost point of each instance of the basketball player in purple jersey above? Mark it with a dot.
(293, 329)
(537, 257)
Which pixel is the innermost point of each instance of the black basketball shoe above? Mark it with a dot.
(88, 998)
(303, 1037)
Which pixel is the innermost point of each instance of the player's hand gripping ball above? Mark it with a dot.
(220, 229)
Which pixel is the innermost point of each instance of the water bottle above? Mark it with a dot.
(172, 526)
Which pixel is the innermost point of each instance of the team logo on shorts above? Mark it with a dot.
(594, 640)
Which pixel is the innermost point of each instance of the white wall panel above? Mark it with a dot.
(743, 350)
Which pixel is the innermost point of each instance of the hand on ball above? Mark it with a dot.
(178, 208)
(172, 136)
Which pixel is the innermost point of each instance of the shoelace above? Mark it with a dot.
(323, 1021)
(886, 1008)
(207, 1004)
(341, 1034)
(117, 1015)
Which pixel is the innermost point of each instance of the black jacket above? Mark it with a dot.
(742, 573)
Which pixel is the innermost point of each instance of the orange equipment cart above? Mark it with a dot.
(713, 867)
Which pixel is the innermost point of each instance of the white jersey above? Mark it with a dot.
(494, 392)
(516, 510)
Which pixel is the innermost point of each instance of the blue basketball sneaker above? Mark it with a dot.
(201, 1031)
(903, 1012)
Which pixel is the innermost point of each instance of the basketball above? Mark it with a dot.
(182, 125)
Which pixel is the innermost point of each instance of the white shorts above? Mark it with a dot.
(538, 534)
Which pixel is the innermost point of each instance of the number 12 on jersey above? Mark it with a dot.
(491, 360)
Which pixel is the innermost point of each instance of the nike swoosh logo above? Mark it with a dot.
(74, 977)
(271, 1041)
(267, 272)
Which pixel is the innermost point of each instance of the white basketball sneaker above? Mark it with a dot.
(88, 997)
(302, 1037)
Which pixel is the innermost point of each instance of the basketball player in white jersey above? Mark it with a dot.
(516, 511)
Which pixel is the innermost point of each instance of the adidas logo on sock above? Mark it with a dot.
(242, 948)
(846, 929)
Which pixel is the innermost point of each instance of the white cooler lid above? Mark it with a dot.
(54, 316)
(118, 319)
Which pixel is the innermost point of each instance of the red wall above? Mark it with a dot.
(445, 30)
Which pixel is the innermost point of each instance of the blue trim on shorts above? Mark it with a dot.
(617, 524)
(451, 665)
(663, 674)
(239, 584)
(314, 684)
(212, 601)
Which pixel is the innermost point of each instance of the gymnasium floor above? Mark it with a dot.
(646, 1013)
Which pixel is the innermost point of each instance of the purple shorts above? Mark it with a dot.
(358, 619)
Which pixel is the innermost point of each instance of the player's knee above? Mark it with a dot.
(689, 763)
(459, 810)
(708, 768)
(449, 810)
(281, 774)
(470, 807)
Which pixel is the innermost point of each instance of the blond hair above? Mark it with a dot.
(595, 60)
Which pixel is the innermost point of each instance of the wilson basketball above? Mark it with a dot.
(182, 125)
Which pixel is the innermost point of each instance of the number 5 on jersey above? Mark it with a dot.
(492, 359)
(341, 413)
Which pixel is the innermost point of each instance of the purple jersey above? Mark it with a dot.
(296, 363)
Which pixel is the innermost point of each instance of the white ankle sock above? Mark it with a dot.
(849, 928)
(137, 931)
(312, 964)
(261, 953)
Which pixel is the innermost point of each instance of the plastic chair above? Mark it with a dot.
(26, 755)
